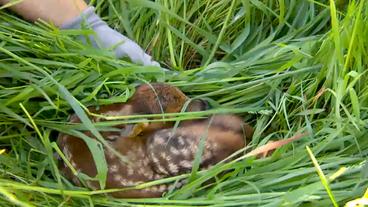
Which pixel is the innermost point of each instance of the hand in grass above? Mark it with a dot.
(106, 37)
(74, 14)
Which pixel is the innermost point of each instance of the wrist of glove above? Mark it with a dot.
(106, 37)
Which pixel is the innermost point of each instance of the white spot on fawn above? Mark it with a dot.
(181, 140)
(185, 152)
(173, 168)
(174, 151)
(186, 164)
(130, 171)
(161, 169)
(114, 168)
(118, 177)
(159, 140)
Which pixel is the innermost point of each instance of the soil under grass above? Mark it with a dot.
(286, 67)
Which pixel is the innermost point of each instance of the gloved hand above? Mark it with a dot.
(109, 38)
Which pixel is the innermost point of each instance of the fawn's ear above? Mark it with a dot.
(198, 105)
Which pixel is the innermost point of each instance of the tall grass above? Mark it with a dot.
(286, 66)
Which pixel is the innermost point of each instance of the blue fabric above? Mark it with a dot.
(108, 38)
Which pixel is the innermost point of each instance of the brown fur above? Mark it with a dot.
(155, 151)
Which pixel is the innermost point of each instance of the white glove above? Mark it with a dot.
(108, 38)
